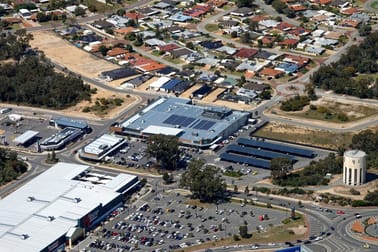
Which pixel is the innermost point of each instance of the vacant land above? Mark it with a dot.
(75, 59)
(297, 134)
(333, 111)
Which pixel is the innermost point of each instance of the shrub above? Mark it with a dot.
(354, 191)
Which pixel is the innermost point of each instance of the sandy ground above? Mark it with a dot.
(213, 95)
(189, 91)
(79, 61)
(75, 59)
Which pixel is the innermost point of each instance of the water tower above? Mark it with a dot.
(354, 168)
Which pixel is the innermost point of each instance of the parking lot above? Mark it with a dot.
(168, 221)
(12, 129)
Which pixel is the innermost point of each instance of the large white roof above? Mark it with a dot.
(21, 139)
(154, 129)
(53, 193)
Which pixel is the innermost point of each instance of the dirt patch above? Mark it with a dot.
(300, 230)
(81, 62)
(107, 114)
(75, 59)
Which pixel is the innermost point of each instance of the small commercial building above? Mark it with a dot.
(26, 138)
(354, 168)
(101, 147)
(49, 212)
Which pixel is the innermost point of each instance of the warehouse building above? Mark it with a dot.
(59, 206)
(194, 125)
(61, 139)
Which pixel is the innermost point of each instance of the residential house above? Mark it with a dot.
(197, 11)
(148, 11)
(300, 61)
(116, 52)
(136, 82)
(288, 43)
(228, 23)
(135, 15)
(211, 44)
(168, 48)
(180, 17)
(118, 73)
(316, 51)
(268, 40)
(247, 93)
(242, 12)
(349, 23)
(117, 21)
(270, 73)
(297, 8)
(154, 42)
(288, 68)
(332, 35)
(102, 24)
(217, 3)
(227, 50)
(258, 87)
(284, 26)
(246, 53)
(181, 52)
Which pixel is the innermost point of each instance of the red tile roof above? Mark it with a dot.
(245, 53)
(283, 26)
(168, 47)
(270, 72)
(289, 42)
(134, 15)
(116, 51)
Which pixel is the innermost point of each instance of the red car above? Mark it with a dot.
(339, 212)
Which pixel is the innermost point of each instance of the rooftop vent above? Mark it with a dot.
(30, 198)
(50, 218)
(76, 200)
(24, 236)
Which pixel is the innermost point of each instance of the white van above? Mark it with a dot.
(5, 110)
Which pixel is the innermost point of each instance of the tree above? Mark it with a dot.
(121, 12)
(79, 11)
(310, 90)
(167, 178)
(245, 37)
(234, 34)
(204, 181)
(103, 50)
(42, 17)
(279, 167)
(189, 45)
(165, 149)
(243, 232)
(236, 189)
(364, 29)
(244, 3)
(246, 190)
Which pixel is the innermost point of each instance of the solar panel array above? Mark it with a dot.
(245, 160)
(203, 125)
(257, 153)
(183, 121)
(277, 147)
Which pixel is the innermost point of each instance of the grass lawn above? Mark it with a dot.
(175, 60)
(374, 5)
(274, 234)
(296, 134)
(102, 8)
(212, 27)
(353, 112)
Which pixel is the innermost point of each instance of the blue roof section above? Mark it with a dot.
(245, 160)
(171, 84)
(181, 87)
(179, 17)
(257, 153)
(202, 90)
(292, 249)
(69, 122)
(277, 147)
(288, 67)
